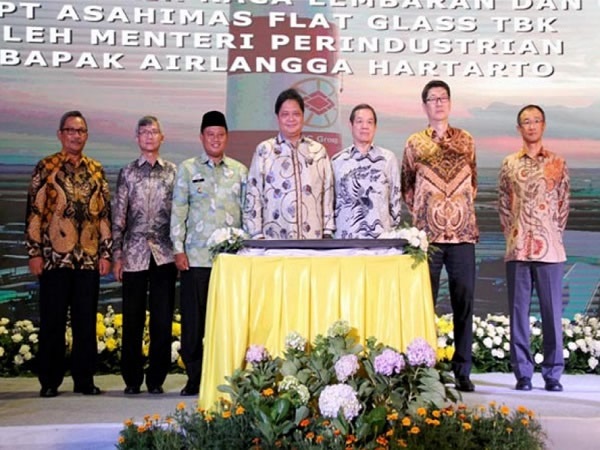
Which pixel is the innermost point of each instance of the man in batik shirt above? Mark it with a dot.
(439, 185)
(208, 195)
(143, 258)
(290, 183)
(69, 244)
(534, 206)
(367, 182)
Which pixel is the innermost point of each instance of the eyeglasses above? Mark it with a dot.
(437, 100)
(151, 133)
(74, 131)
(528, 122)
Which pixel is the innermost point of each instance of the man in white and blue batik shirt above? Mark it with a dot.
(208, 195)
(367, 182)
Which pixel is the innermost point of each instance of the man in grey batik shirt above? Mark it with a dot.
(367, 182)
(143, 258)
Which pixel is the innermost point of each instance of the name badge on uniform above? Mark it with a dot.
(198, 179)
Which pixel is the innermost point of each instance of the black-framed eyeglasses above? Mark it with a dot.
(528, 122)
(437, 100)
(74, 131)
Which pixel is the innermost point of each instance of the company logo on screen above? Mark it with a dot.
(320, 102)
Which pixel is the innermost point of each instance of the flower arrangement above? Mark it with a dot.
(491, 343)
(18, 347)
(225, 240)
(335, 394)
(417, 243)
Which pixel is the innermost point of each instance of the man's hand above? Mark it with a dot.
(181, 261)
(36, 265)
(104, 266)
(118, 270)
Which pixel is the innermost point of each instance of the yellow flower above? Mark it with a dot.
(493, 404)
(99, 317)
(421, 411)
(176, 329)
(239, 410)
(415, 430)
(180, 362)
(509, 430)
(450, 352)
(118, 320)
(466, 426)
(406, 421)
(444, 326)
(111, 344)
(436, 414)
(525, 422)
(505, 410)
(522, 409)
(100, 329)
(145, 348)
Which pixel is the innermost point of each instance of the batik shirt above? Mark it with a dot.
(290, 191)
(367, 192)
(142, 214)
(207, 196)
(68, 213)
(439, 184)
(534, 206)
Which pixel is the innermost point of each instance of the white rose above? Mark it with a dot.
(538, 358)
(24, 349)
(536, 331)
(18, 360)
(17, 337)
(506, 346)
(33, 338)
(101, 346)
(569, 333)
(27, 356)
(572, 346)
(1, 352)
(497, 340)
(488, 343)
(442, 342)
(592, 362)
(479, 332)
(110, 331)
(566, 353)
(4, 321)
(3, 330)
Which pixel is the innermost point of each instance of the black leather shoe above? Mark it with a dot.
(523, 384)
(87, 390)
(189, 390)
(155, 390)
(553, 385)
(48, 392)
(464, 384)
(132, 390)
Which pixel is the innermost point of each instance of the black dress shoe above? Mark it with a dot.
(87, 390)
(523, 384)
(189, 390)
(553, 385)
(132, 390)
(48, 392)
(464, 384)
(155, 390)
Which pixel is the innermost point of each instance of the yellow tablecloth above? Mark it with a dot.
(260, 299)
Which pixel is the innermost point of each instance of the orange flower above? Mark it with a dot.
(467, 426)
(226, 414)
(525, 422)
(208, 418)
(392, 416)
(256, 441)
(337, 432)
(493, 404)
(180, 406)
(319, 439)
(436, 414)
(406, 421)
(128, 423)
(421, 411)
(415, 430)
(350, 439)
(304, 423)
(522, 409)
(389, 433)
(382, 441)
(121, 440)
(268, 392)
(141, 428)
(509, 430)
(505, 410)
(402, 443)
(239, 410)
(326, 423)
(156, 417)
(310, 435)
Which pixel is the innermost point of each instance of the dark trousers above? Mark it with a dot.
(521, 278)
(61, 290)
(459, 260)
(194, 293)
(153, 289)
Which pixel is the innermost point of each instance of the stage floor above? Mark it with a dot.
(72, 421)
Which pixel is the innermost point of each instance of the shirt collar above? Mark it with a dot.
(204, 159)
(280, 140)
(542, 153)
(143, 160)
(356, 153)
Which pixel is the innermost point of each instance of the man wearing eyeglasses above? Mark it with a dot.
(69, 244)
(533, 206)
(143, 258)
(439, 185)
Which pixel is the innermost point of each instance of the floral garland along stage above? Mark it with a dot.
(491, 341)
(334, 394)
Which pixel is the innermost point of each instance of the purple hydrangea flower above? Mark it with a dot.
(389, 362)
(420, 353)
(256, 354)
(345, 367)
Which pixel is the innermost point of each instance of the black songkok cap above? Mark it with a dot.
(213, 119)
